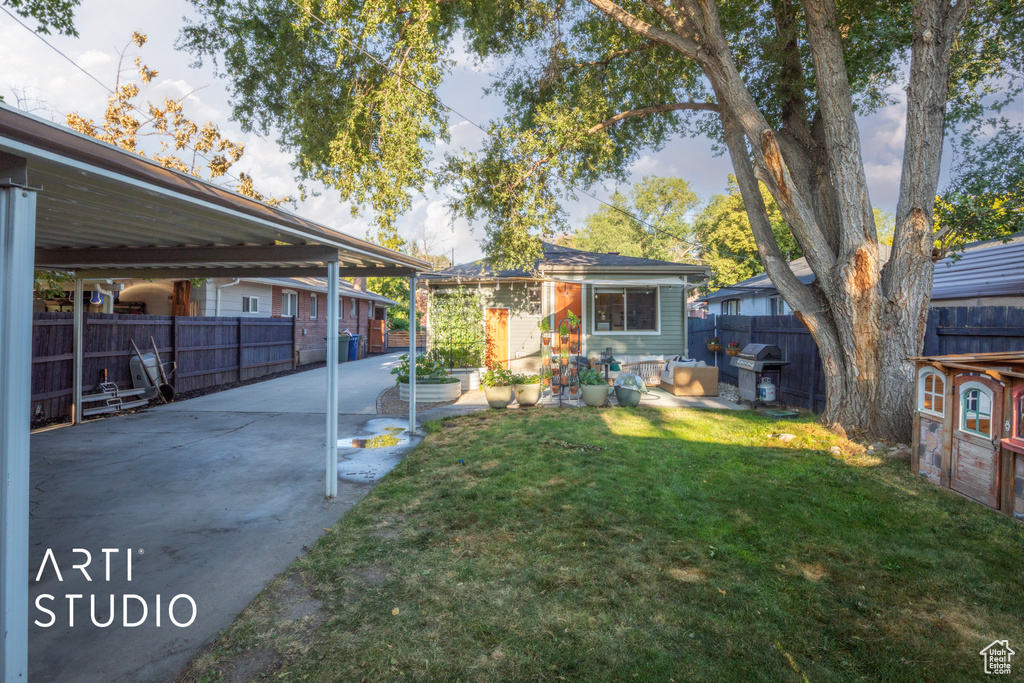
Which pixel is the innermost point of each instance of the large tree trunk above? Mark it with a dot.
(867, 316)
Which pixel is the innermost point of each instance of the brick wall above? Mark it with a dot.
(316, 329)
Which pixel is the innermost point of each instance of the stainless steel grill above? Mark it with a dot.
(754, 361)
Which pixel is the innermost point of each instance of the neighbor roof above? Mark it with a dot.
(319, 284)
(986, 268)
(562, 260)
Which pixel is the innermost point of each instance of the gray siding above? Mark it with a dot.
(669, 341)
(523, 333)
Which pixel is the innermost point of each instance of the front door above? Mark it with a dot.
(977, 424)
(568, 297)
(496, 326)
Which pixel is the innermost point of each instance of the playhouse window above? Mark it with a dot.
(931, 390)
(976, 412)
(1018, 406)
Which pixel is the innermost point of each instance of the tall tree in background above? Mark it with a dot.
(589, 85)
(58, 15)
(727, 242)
(650, 223)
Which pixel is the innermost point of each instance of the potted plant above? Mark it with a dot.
(564, 380)
(572, 370)
(433, 384)
(574, 389)
(714, 345)
(545, 361)
(593, 387)
(556, 388)
(545, 329)
(497, 383)
(733, 348)
(545, 378)
(574, 320)
(563, 357)
(629, 388)
(527, 389)
(563, 332)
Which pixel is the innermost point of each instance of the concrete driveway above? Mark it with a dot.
(211, 498)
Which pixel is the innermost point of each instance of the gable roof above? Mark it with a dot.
(989, 268)
(319, 284)
(562, 260)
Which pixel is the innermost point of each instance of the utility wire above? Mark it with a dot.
(379, 62)
(98, 81)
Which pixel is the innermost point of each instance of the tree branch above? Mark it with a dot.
(683, 45)
(607, 123)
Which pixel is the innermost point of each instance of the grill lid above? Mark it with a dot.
(761, 352)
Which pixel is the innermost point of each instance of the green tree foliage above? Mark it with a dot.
(650, 223)
(457, 329)
(396, 289)
(727, 243)
(58, 15)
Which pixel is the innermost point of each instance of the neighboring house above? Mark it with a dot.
(631, 305)
(985, 273)
(304, 299)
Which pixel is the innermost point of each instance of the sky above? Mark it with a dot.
(49, 86)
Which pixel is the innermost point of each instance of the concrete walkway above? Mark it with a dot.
(212, 498)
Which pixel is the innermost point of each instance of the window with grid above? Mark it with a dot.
(976, 412)
(931, 392)
(625, 309)
(250, 304)
(731, 307)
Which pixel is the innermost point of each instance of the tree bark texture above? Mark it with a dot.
(866, 315)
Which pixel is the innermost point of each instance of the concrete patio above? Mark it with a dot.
(212, 497)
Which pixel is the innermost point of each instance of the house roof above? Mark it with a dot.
(105, 212)
(989, 268)
(319, 284)
(562, 260)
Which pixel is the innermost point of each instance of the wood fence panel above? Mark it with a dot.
(963, 329)
(208, 352)
(399, 340)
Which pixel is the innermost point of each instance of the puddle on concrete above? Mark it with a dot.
(367, 457)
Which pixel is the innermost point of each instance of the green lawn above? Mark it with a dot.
(642, 545)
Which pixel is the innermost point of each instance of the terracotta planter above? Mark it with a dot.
(498, 397)
(546, 360)
(732, 351)
(555, 370)
(527, 394)
(556, 389)
(574, 390)
(714, 348)
(572, 371)
(546, 382)
(595, 395)
(564, 361)
(564, 380)
(546, 340)
(574, 349)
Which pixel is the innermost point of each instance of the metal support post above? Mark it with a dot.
(332, 379)
(17, 256)
(412, 355)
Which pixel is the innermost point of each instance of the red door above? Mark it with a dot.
(977, 423)
(496, 326)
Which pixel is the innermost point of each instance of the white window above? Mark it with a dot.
(976, 409)
(931, 392)
(731, 307)
(533, 299)
(626, 309)
(776, 305)
(250, 304)
(289, 303)
(312, 307)
(353, 308)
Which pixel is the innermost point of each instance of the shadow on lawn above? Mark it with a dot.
(651, 545)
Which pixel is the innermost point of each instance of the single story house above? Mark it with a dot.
(985, 273)
(634, 306)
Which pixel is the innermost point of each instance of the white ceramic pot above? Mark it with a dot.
(498, 397)
(595, 395)
(528, 394)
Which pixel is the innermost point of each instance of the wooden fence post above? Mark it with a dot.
(239, 373)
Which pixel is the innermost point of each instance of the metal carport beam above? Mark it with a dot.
(141, 256)
(17, 240)
(316, 270)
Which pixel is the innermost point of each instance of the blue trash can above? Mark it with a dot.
(353, 346)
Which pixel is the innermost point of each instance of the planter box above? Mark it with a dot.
(470, 378)
(431, 393)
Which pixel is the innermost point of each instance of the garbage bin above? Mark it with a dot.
(353, 346)
(342, 347)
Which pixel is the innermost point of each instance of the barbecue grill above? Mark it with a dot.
(754, 362)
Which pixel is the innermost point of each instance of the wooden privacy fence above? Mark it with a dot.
(399, 339)
(208, 352)
(966, 329)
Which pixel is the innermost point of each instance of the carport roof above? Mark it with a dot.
(106, 212)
